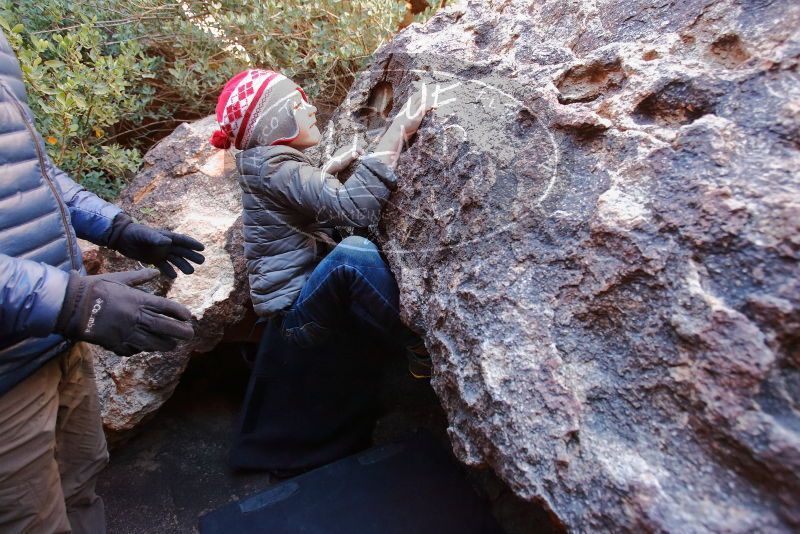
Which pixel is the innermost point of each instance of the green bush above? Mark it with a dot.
(113, 76)
(319, 44)
(80, 94)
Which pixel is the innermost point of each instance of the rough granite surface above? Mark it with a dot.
(599, 231)
(186, 186)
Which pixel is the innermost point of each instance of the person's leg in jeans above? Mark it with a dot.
(351, 285)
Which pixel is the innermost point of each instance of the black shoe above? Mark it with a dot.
(419, 364)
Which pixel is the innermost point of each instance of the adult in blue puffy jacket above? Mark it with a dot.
(51, 439)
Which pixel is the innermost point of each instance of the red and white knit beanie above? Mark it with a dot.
(254, 109)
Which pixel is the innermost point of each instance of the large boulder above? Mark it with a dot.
(599, 232)
(186, 186)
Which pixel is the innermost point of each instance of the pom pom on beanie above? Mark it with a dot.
(220, 139)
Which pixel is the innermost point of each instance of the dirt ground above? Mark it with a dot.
(162, 479)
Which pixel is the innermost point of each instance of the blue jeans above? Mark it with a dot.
(352, 290)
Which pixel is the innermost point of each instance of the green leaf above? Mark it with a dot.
(97, 73)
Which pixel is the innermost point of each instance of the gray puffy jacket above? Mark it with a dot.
(41, 211)
(290, 210)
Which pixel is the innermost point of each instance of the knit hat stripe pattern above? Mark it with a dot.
(230, 86)
(238, 109)
(273, 120)
(266, 103)
(255, 107)
(254, 110)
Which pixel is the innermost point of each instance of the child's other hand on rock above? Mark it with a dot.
(410, 116)
(342, 158)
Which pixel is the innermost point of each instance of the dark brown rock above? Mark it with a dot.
(598, 230)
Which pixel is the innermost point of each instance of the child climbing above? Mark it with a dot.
(309, 400)
(292, 207)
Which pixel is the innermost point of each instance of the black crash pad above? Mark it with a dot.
(409, 487)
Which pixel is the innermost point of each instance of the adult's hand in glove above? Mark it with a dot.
(107, 310)
(158, 247)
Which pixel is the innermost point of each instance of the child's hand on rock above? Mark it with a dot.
(342, 158)
(404, 125)
(410, 116)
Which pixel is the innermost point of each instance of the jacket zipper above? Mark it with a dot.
(59, 200)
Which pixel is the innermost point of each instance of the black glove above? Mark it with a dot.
(154, 246)
(106, 310)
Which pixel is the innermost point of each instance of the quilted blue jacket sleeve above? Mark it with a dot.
(91, 215)
(31, 295)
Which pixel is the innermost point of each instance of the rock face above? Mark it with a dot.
(186, 186)
(599, 231)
